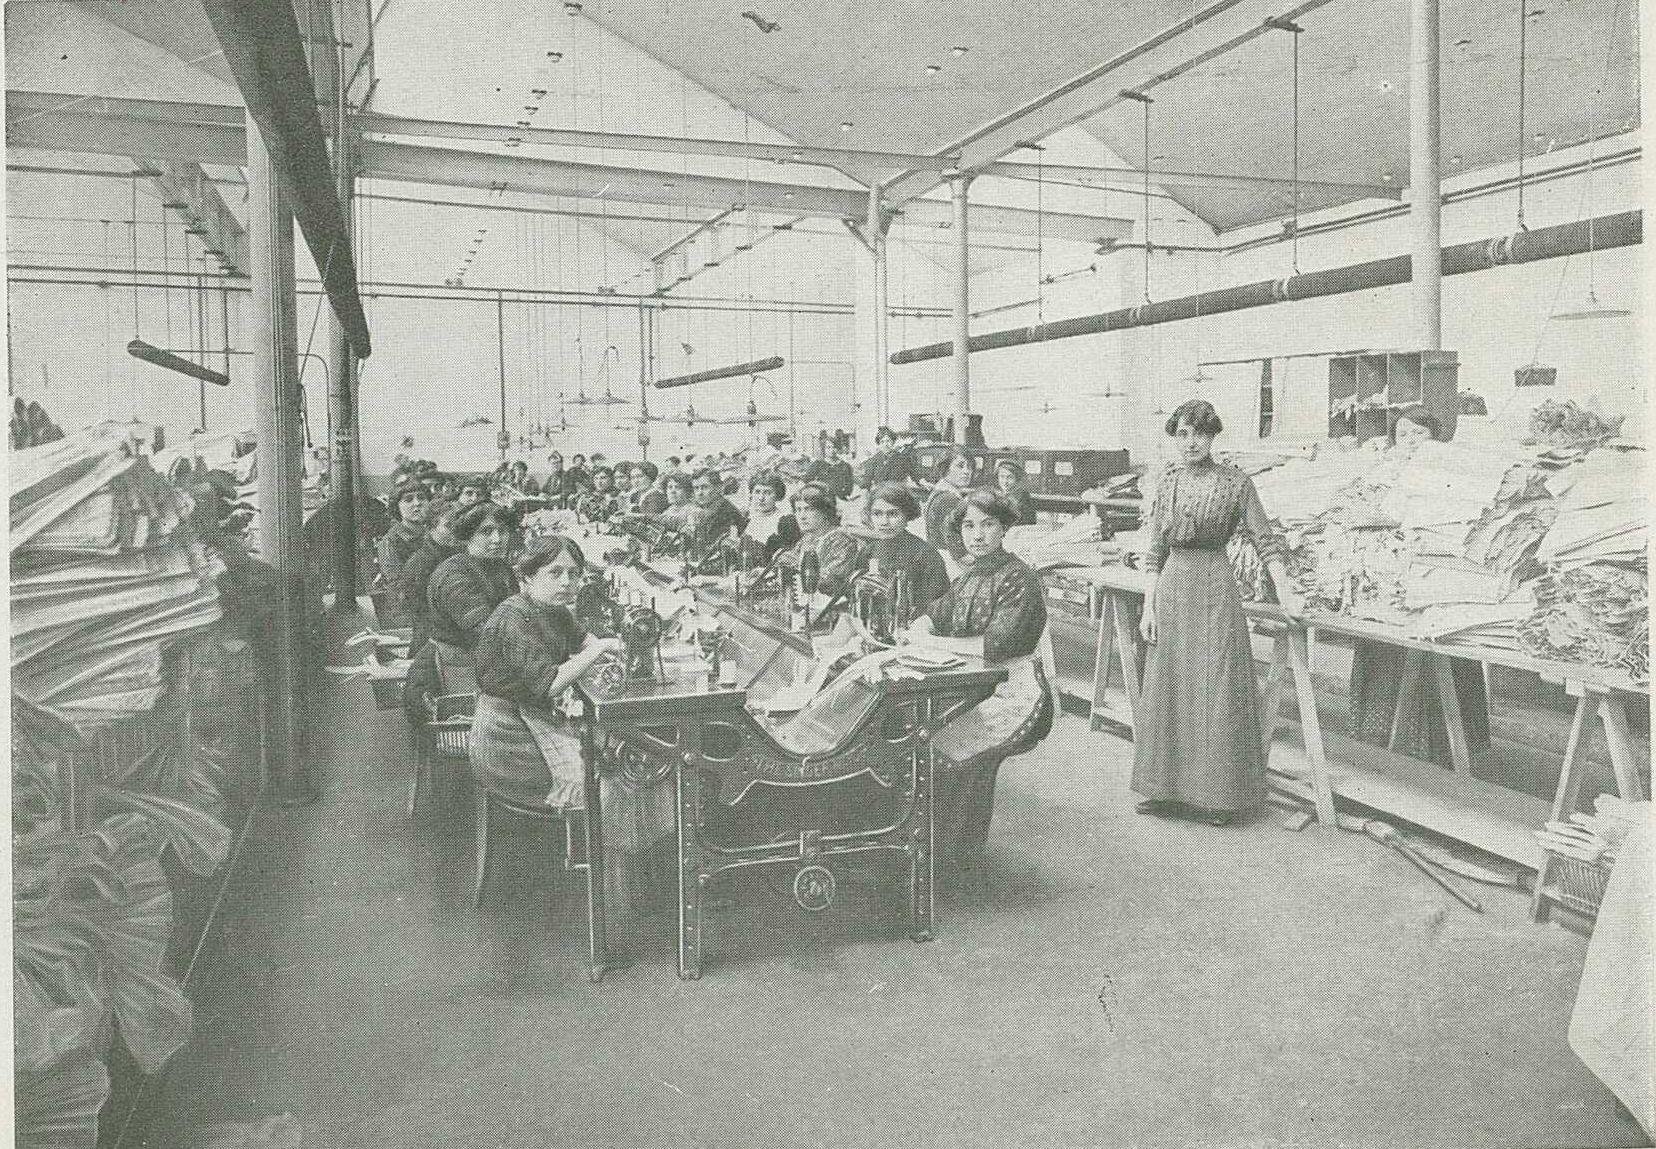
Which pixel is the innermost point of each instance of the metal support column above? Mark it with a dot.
(879, 220)
(275, 339)
(1425, 193)
(958, 183)
(342, 459)
(503, 437)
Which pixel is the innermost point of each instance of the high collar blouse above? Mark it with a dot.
(1201, 506)
(998, 597)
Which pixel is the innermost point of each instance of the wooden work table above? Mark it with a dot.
(1483, 814)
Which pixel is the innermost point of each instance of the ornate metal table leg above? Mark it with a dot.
(688, 782)
(920, 828)
(597, 941)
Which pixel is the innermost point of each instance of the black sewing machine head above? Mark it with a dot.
(637, 626)
(594, 605)
(640, 633)
(660, 540)
(880, 603)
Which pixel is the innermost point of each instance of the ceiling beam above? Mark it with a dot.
(178, 27)
(620, 141)
(412, 163)
(100, 125)
(1102, 176)
(713, 221)
(1217, 27)
(263, 48)
(186, 189)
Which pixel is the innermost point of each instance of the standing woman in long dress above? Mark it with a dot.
(1197, 744)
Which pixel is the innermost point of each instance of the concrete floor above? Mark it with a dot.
(1111, 980)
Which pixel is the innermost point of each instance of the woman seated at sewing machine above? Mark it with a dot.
(954, 479)
(462, 593)
(770, 529)
(642, 496)
(528, 653)
(896, 550)
(837, 553)
(680, 514)
(602, 501)
(993, 611)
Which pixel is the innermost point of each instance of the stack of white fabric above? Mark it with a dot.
(105, 577)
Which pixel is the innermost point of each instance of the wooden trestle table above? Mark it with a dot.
(1483, 814)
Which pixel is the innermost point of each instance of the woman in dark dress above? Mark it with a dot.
(440, 545)
(463, 592)
(994, 611)
(1009, 477)
(1197, 745)
(528, 653)
(896, 550)
(954, 479)
(1377, 705)
(769, 529)
(836, 551)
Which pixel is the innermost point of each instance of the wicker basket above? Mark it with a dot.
(1574, 884)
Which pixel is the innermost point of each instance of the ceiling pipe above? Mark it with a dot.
(1622, 229)
(149, 353)
(753, 368)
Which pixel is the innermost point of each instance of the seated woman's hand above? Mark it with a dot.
(1291, 601)
(918, 631)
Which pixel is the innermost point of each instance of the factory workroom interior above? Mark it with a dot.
(626, 572)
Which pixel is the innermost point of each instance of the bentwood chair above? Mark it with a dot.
(488, 803)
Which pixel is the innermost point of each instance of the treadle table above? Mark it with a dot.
(689, 733)
(1491, 817)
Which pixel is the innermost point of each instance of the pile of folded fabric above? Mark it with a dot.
(1563, 423)
(105, 577)
(1596, 615)
(1593, 604)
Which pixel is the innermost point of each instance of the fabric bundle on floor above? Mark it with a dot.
(105, 576)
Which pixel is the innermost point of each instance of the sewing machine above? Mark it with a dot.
(883, 605)
(599, 610)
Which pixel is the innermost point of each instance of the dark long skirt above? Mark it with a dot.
(1196, 731)
(1423, 731)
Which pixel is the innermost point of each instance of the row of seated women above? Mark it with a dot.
(507, 633)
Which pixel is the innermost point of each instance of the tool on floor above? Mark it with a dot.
(1387, 835)
(1286, 790)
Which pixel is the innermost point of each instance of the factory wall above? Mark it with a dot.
(1497, 321)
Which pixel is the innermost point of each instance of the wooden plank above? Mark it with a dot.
(1614, 716)
(1101, 654)
(1271, 710)
(1564, 802)
(1127, 648)
(1478, 813)
(1311, 727)
(1452, 717)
